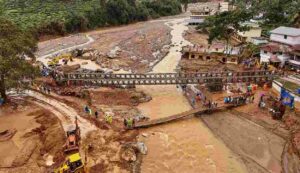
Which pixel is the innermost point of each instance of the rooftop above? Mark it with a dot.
(286, 31)
(274, 47)
(195, 20)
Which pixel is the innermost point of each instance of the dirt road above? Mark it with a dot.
(65, 113)
(61, 46)
(185, 146)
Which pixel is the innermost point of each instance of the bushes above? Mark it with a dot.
(159, 8)
(63, 16)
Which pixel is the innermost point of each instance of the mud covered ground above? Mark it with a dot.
(137, 47)
(38, 144)
(262, 143)
(38, 140)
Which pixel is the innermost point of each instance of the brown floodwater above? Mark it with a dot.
(184, 146)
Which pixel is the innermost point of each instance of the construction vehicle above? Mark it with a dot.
(55, 60)
(73, 164)
(73, 138)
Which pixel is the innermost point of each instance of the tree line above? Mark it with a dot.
(61, 16)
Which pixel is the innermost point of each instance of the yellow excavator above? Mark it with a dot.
(73, 162)
(55, 60)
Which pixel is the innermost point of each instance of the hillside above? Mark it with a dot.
(63, 16)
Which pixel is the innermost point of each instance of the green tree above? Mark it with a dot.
(15, 45)
(222, 26)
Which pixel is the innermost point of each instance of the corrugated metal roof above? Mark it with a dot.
(286, 31)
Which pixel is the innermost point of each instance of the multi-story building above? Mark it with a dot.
(284, 48)
(286, 35)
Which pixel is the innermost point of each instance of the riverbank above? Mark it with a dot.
(185, 146)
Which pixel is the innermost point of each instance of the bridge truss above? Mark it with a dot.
(100, 79)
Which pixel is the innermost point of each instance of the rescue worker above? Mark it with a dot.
(108, 118)
(86, 109)
(96, 114)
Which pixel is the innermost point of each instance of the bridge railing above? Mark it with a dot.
(72, 76)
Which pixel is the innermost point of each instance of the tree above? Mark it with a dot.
(15, 45)
(185, 4)
(275, 12)
(225, 24)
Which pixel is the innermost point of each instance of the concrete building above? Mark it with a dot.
(283, 49)
(259, 40)
(251, 36)
(254, 31)
(214, 52)
(286, 35)
(275, 54)
(294, 61)
(197, 16)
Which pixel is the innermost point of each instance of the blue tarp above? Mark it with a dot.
(287, 98)
(298, 91)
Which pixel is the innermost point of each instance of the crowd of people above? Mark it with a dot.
(128, 122)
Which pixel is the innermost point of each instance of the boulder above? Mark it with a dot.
(114, 53)
(142, 147)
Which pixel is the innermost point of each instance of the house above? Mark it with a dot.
(214, 52)
(286, 35)
(259, 40)
(294, 61)
(275, 54)
(254, 31)
(283, 48)
(251, 35)
(197, 16)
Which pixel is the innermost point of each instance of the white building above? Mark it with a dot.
(274, 53)
(283, 49)
(286, 35)
(294, 61)
(197, 16)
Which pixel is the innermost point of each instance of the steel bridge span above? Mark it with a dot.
(100, 79)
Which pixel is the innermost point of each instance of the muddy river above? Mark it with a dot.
(183, 146)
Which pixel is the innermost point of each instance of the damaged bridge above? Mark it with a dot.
(101, 79)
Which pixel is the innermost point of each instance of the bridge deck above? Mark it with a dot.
(99, 79)
(179, 116)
